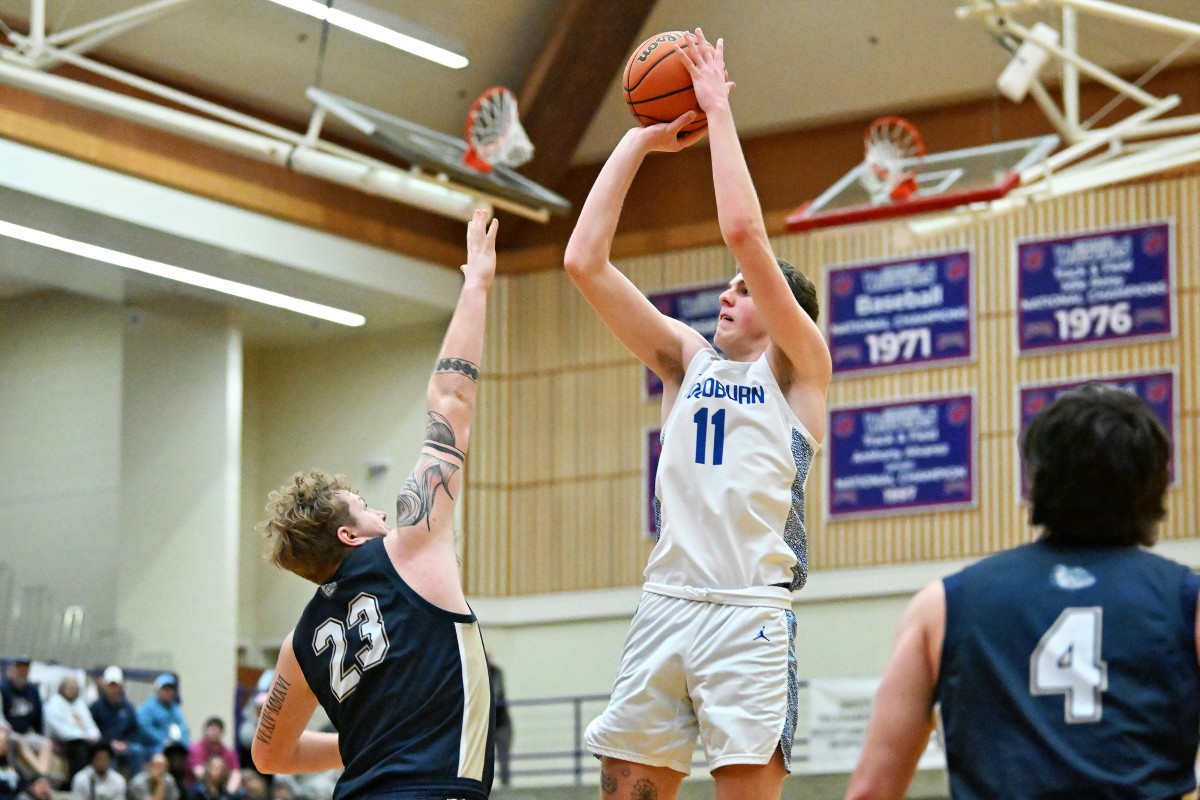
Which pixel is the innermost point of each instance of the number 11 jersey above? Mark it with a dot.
(729, 494)
(405, 684)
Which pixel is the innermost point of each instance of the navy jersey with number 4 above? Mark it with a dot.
(404, 682)
(1070, 673)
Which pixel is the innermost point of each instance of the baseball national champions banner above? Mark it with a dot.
(901, 457)
(1157, 389)
(1095, 288)
(912, 312)
(697, 307)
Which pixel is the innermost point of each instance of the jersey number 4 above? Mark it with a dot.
(1067, 661)
(363, 614)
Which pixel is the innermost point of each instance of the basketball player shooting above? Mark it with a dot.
(388, 645)
(714, 624)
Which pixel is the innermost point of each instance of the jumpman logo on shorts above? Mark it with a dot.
(761, 635)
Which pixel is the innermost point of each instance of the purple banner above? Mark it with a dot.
(911, 312)
(697, 307)
(1096, 288)
(902, 457)
(652, 450)
(1157, 389)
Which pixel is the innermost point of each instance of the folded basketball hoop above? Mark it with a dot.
(894, 151)
(494, 134)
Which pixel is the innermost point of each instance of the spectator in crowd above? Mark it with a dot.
(155, 781)
(98, 781)
(177, 756)
(160, 718)
(210, 745)
(38, 788)
(503, 729)
(254, 786)
(116, 718)
(10, 776)
(245, 731)
(69, 723)
(214, 781)
(22, 707)
(283, 789)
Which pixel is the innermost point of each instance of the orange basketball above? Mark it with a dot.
(657, 85)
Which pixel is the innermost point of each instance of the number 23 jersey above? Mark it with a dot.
(729, 494)
(405, 684)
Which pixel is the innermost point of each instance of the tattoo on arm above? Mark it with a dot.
(270, 712)
(459, 365)
(645, 790)
(440, 460)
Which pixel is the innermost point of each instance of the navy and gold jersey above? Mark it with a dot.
(404, 682)
(1071, 672)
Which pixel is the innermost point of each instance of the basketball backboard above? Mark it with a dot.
(943, 181)
(438, 154)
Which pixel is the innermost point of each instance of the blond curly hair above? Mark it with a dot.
(304, 515)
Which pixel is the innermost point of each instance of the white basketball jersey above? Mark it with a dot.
(730, 485)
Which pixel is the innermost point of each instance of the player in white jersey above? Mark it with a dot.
(711, 648)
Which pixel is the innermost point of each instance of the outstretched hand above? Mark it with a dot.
(706, 64)
(481, 249)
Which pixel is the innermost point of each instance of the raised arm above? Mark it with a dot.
(282, 744)
(792, 332)
(902, 716)
(661, 343)
(427, 500)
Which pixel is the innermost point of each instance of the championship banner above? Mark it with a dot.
(908, 313)
(1157, 389)
(838, 711)
(651, 451)
(1096, 288)
(902, 457)
(697, 307)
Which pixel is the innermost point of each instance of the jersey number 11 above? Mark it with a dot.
(718, 426)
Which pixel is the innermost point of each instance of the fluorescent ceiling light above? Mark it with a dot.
(158, 269)
(373, 30)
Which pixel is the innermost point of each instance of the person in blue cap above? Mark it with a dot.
(161, 718)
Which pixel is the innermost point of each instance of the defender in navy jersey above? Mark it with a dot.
(711, 650)
(388, 645)
(1065, 668)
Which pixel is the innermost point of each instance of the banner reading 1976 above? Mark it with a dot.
(1095, 288)
(901, 457)
(910, 312)
(1156, 389)
(697, 307)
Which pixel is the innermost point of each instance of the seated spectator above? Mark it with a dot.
(254, 786)
(213, 781)
(177, 756)
(116, 718)
(22, 707)
(69, 723)
(160, 719)
(97, 781)
(38, 788)
(10, 776)
(210, 745)
(154, 782)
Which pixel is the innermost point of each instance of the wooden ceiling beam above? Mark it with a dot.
(587, 47)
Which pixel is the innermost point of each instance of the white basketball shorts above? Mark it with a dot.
(716, 664)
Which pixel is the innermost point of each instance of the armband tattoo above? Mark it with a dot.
(459, 365)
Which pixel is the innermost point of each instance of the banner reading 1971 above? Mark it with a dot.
(697, 307)
(1157, 389)
(1103, 287)
(902, 457)
(910, 312)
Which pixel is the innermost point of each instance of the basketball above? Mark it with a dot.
(657, 85)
